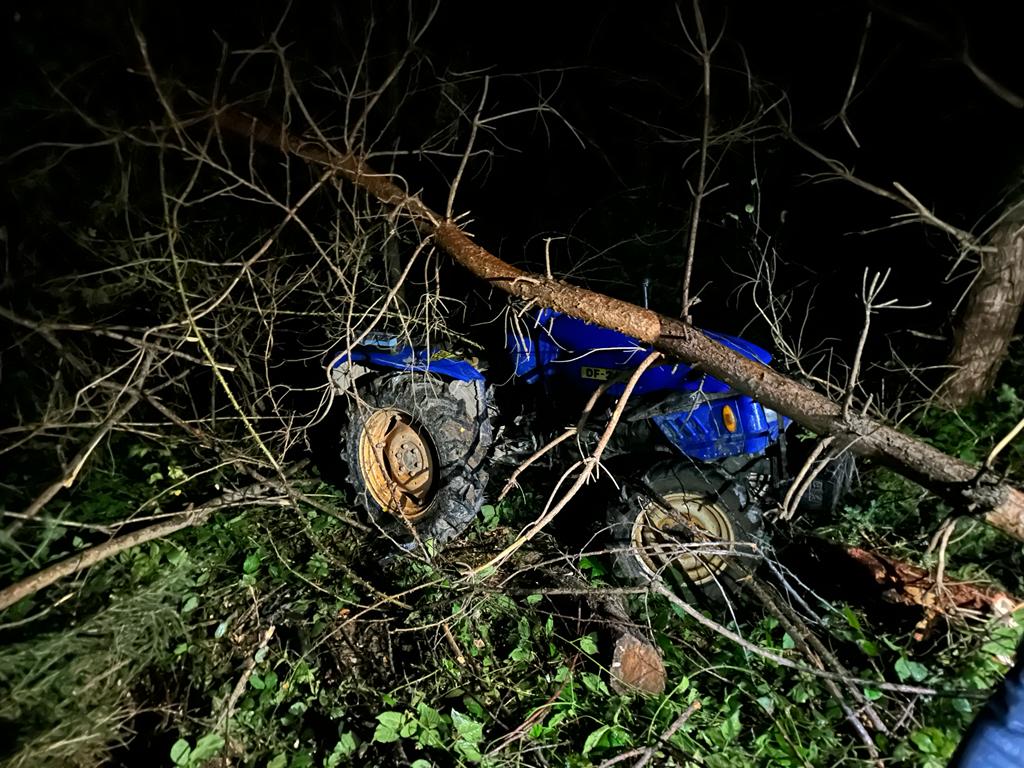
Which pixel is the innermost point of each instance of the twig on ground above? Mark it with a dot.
(658, 588)
(815, 651)
(251, 496)
(678, 723)
(944, 535)
(520, 730)
(1008, 438)
(224, 720)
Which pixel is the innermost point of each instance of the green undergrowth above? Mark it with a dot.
(283, 637)
(890, 515)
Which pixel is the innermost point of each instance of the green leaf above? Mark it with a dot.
(594, 739)
(252, 563)
(919, 672)
(788, 642)
(521, 654)
(346, 744)
(923, 742)
(391, 719)
(963, 706)
(605, 737)
(868, 647)
(901, 668)
(851, 617)
(489, 515)
(385, 735)
(906, 669)
(208, 746)
(534, 599)
(594, 683)
(468, 728)
(469, 751)
(180, 751)
(428, 716)
(474, 707)
(428, 737)
(730, 727)
(278, 761)
(190, 604)
(801, 693)
(256, 681)
(588, 644)
(872, 694)
(270, 680)
(421, 763)
(344, 748)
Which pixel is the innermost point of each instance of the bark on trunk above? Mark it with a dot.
(904, 583)
(990, 315)
(970, 488)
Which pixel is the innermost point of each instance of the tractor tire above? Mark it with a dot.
(656, 529)
(416, 448)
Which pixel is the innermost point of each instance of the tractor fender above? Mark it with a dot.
(366, 359)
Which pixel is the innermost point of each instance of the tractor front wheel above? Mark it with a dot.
(683, 525)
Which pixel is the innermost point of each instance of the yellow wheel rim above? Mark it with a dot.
(398, 463)
(664, 539)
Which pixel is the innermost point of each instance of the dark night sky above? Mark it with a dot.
(623, 75)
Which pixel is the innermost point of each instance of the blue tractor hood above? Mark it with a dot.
(561, 348)
(577, 335)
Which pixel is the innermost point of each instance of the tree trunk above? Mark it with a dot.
(971, 489)
(986, 326)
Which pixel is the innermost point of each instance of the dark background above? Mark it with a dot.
(624, 76)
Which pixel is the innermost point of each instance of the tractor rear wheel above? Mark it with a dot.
(415, 447)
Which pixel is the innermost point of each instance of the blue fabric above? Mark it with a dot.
(996, 737)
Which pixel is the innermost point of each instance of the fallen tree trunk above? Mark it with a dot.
(904, 583)
(971, 489)
(891, 592)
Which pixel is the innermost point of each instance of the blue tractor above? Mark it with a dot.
(423, 431)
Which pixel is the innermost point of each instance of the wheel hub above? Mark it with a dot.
(664, 538)
(397, 462)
